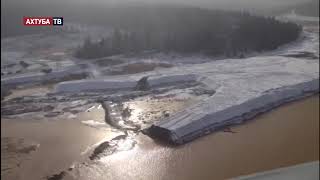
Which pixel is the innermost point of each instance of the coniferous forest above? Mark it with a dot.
(189, 30)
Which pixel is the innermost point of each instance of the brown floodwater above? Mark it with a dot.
(60, 144)
(35, 147)
(285, 136)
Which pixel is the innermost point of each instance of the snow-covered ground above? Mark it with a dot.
(30, 54)
(243, 87)
(54, 51)
(235, 82)
(292, 16)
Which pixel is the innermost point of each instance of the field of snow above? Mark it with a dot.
(48, 50)
(235, 81)
(243, 87)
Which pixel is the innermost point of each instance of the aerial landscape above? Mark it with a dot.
(160, 90)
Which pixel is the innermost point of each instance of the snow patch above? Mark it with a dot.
(116, 83)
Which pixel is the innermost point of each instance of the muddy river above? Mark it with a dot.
(33, 149)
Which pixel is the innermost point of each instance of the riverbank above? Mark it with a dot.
(45, 133)
(283, 137)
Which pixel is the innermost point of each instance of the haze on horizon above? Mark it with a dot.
(215, 4)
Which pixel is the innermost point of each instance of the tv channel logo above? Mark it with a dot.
(43, 21)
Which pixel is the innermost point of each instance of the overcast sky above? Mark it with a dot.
(210, 2)
(229, 4)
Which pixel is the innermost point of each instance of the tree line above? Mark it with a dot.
(191, 30)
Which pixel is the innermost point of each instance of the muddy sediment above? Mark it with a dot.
(81, 137)
(58, 176)
(296, 142)
(294, 139)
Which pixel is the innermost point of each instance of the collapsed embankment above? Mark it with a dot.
(189, 127)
